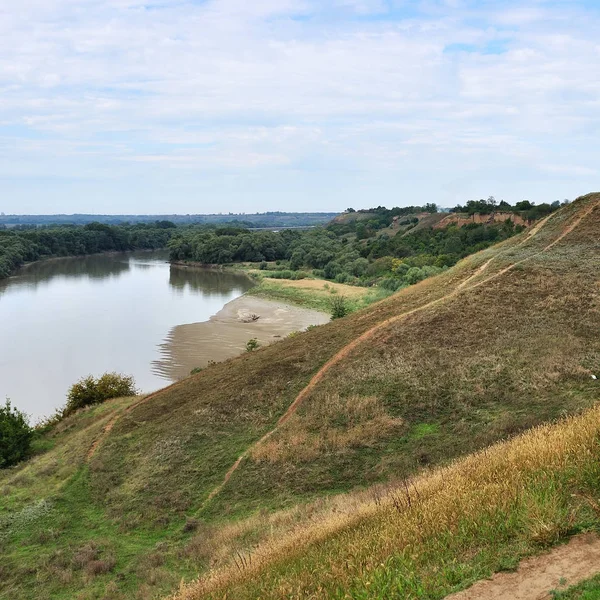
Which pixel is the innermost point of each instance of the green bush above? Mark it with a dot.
(339, 307)
(252, 345)
(89, 390)
(15, 435)
(390, 283)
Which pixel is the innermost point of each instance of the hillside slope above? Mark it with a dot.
(507, 339)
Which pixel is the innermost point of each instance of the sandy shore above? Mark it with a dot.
(226, 333)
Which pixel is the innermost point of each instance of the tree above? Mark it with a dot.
(89, 390)
(523, 205)
(15, 435)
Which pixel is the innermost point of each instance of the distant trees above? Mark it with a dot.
(25, 244)
(329, 253)
(528, 210)
(15, 435)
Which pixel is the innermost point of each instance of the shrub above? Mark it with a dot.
(390, 283)
(15, 435)
(89, 390)
(339, 307)
(196, 370)
(252, 344)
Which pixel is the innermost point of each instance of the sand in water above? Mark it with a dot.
(225, 335)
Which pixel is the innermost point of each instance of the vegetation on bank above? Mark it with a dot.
(95, 390)
(317, 294)
(21, 245)
(15, 435)
(340, 252)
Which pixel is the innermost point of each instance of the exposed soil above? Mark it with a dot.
(536, 577)
(225, 335)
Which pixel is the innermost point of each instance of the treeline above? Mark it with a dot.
(528, 210)
(267, 219)
(390, 261)
(18, 246)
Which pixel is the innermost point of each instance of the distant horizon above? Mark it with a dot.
(194, 107)
(175, 214)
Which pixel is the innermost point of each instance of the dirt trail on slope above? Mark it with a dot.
(563, 567)
(108, 427)
(346, 350)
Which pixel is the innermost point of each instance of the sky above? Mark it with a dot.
(197, 106)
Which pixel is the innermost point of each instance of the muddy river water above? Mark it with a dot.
(132, 313)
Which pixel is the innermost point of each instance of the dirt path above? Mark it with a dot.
(108, 427)
(562, 567)
(346, 350)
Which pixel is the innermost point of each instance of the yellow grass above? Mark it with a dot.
(366, 529)
(333, 425)
(323, 287)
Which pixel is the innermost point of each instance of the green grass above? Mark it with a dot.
(587, 590)
(315, 299)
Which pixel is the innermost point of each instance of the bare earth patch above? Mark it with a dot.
(535, 578)
(226, 333)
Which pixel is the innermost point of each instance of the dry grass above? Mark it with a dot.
(331, 426)
(470, 501)
(324, 287)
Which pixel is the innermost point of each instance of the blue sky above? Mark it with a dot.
(160, 106)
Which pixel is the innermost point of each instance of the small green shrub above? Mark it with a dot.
(196, 370)
(390, 283)
(339, 307)
(89, 390)
(252, 345)
(15, 435)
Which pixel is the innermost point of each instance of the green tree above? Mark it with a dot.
(89, 390)
(15, 435)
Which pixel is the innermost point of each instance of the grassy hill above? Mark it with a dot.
(130, 497)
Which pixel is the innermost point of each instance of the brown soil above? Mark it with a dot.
(535, 578)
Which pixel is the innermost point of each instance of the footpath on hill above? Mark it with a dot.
(537, 577)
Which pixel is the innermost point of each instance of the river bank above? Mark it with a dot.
(310, 292)
(226, 333)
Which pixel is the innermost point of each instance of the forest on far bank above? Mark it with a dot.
(357, 248)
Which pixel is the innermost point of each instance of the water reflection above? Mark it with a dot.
(90, 267)
(207, 282)
(64, 319)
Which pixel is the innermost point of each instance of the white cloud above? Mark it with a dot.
(224, 88)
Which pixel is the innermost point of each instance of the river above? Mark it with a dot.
(63, 319)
